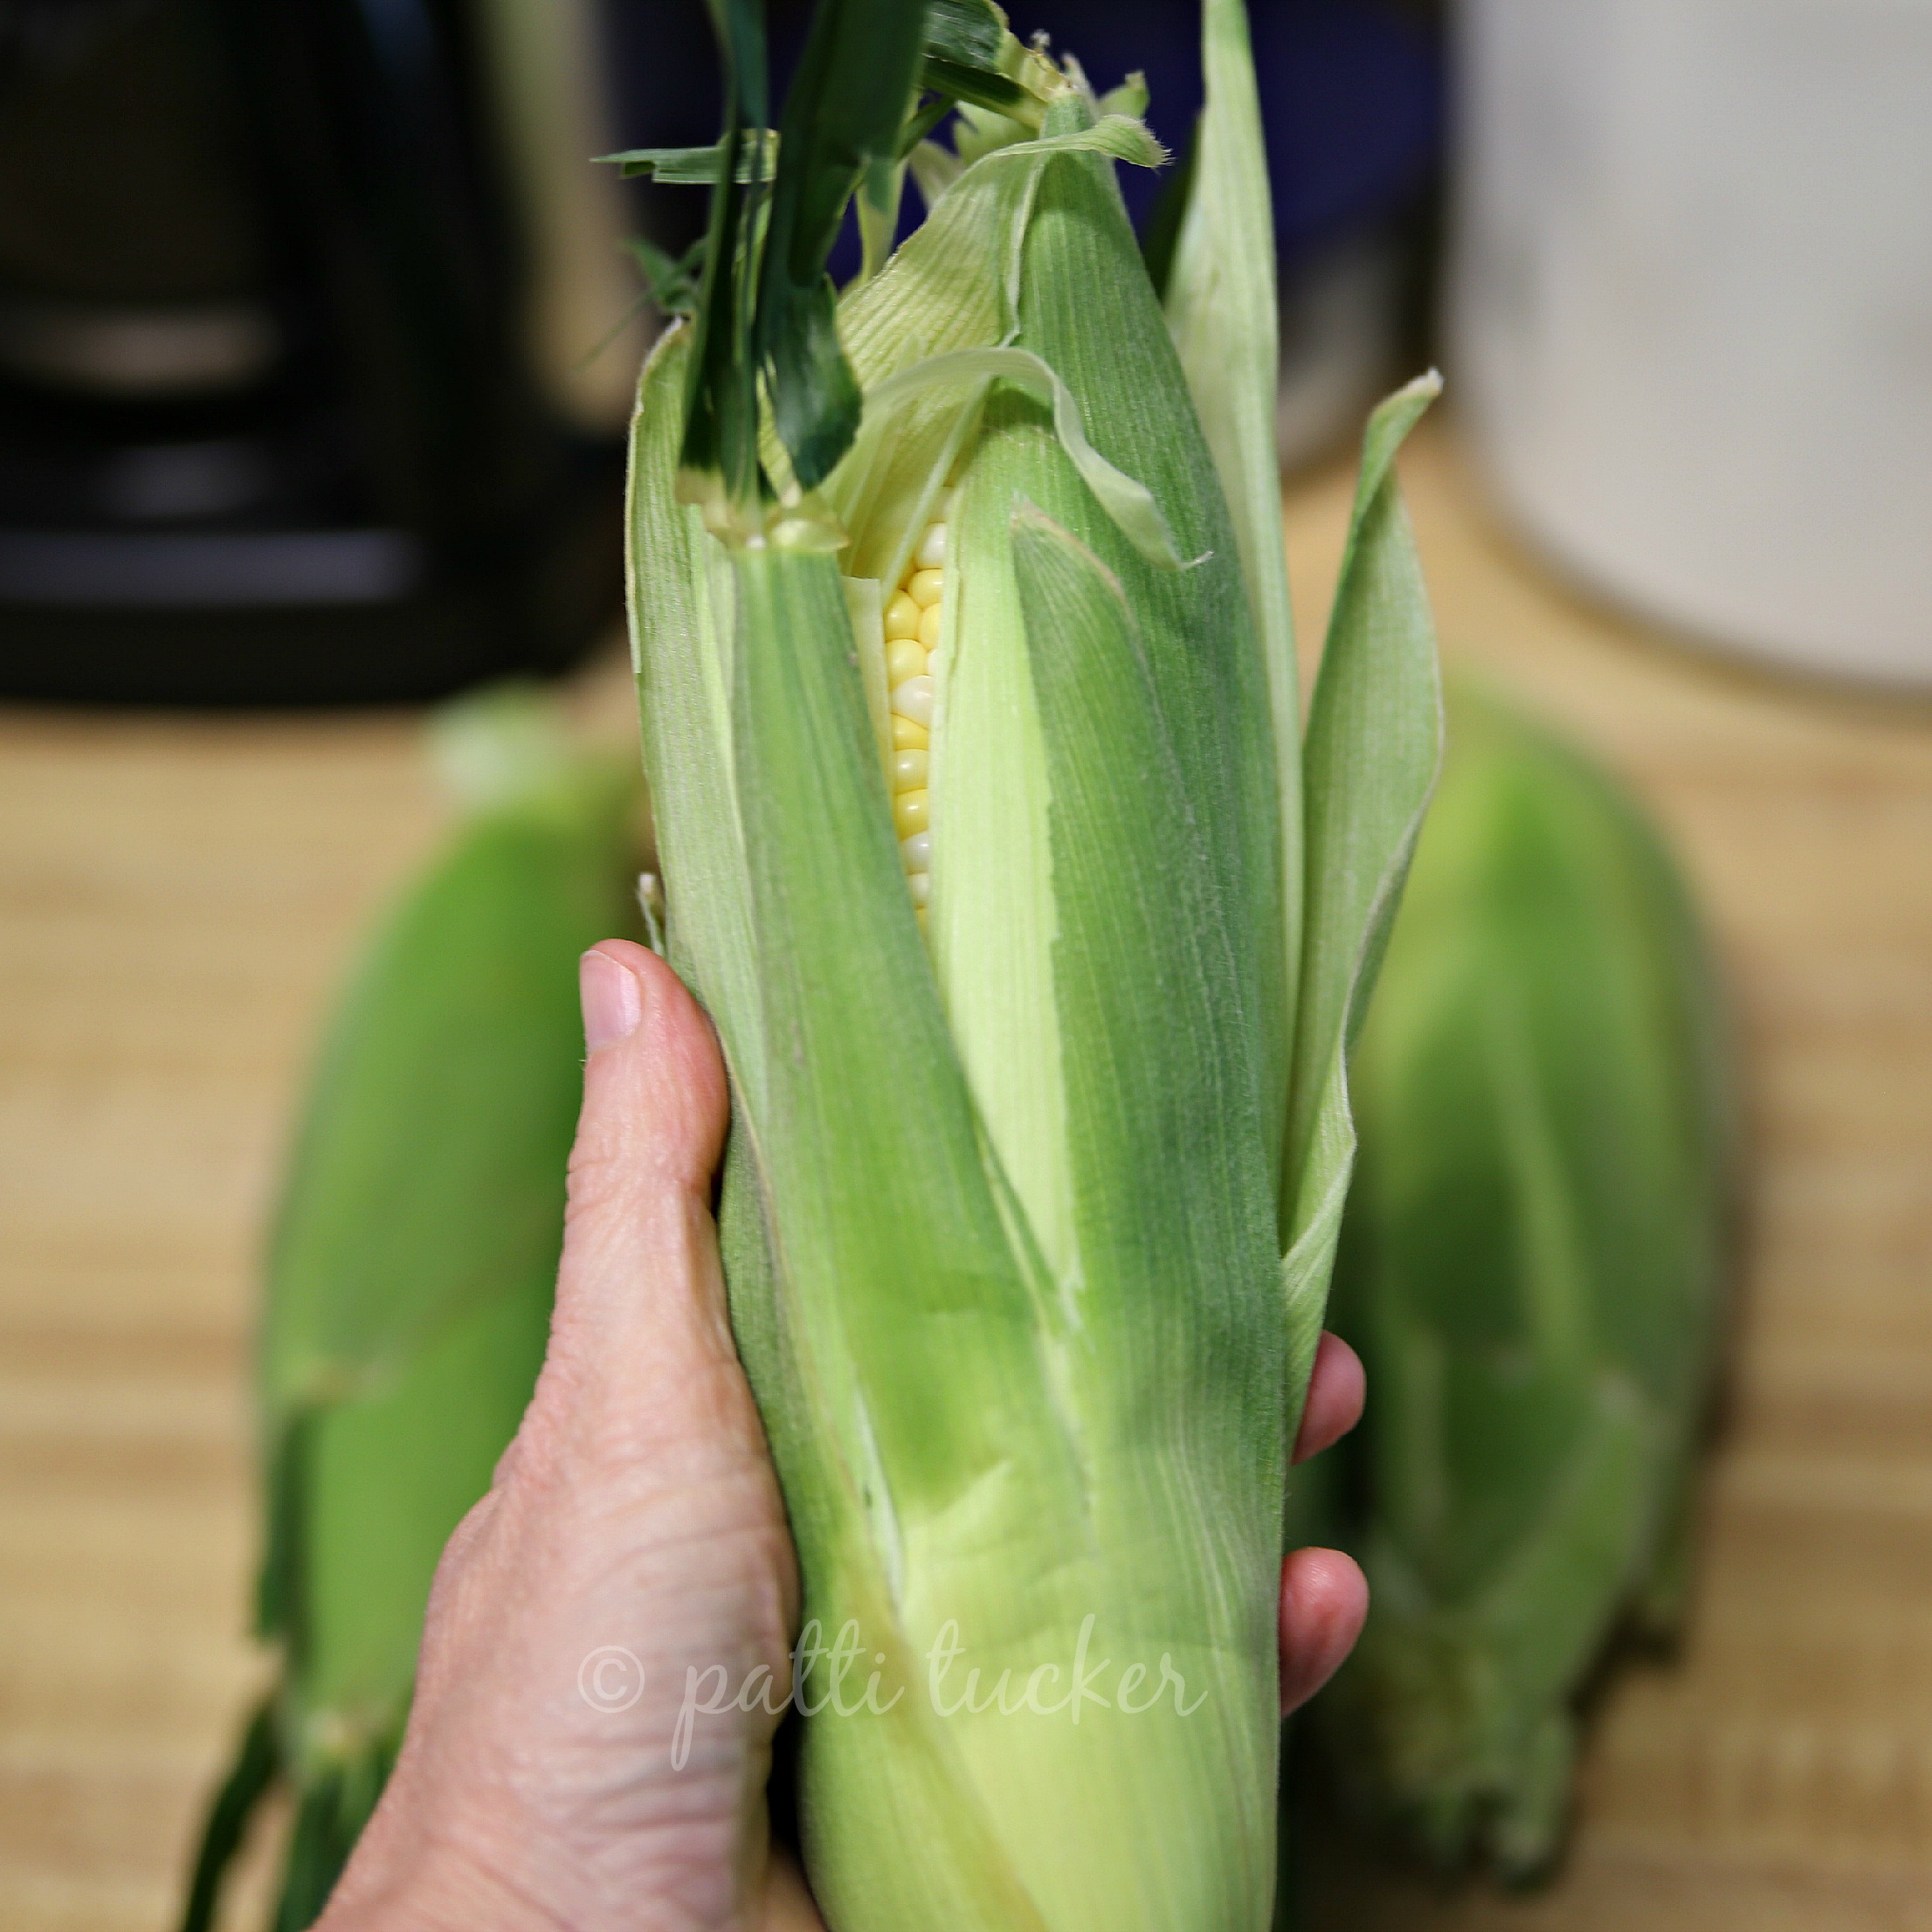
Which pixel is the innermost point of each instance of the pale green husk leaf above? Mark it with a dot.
(1221, 305)
(1370, 763)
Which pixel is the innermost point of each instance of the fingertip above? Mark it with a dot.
(654, 1079)
(1337, 1388)
(611, 995)
(1324, 1603)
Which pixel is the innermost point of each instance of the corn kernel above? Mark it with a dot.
(913, 700)
(924, 587)
(931, 552)
(904, 658)
(928, 627)
(909, 812)
(908, 769)
(909, 736)
(921, 885)
(916, 853)
(901, 618)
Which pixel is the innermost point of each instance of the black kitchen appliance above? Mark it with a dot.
(299, 303)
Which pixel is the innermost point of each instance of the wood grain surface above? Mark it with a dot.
(178, 897)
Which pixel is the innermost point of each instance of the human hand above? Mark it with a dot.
(634, 1531)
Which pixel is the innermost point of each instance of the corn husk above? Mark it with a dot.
(1531, 1271)
(411, 1272)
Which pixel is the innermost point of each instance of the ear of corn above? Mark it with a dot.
(1532, 1271)
(1015, 1162)
(412, 1269)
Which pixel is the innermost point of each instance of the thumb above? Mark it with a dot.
(654, 1095)
(640, 1330)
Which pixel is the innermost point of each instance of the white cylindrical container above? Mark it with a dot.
(1690, 309)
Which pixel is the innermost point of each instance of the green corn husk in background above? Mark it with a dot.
(1029, 1199)
(1532, 1271)
(413, 1260)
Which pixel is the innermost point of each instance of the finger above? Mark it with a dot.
(654, 1098)
(1324, 1600)
(640, 1309)
(1335, 1391)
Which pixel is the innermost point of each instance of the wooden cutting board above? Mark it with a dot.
(178, 897)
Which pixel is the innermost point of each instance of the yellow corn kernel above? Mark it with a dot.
(928, 627)
(901, 618)
(931, 552)
(909, 811)
(904, 658)
(908, 735)
(908, 770)
(923, 587)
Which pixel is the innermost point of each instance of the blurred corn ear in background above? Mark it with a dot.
(414, 1256)
(1531, 1269)
(1033, 940)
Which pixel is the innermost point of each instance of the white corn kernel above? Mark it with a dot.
(913, 700)
(922, 887)
(916, 853)
(931, 552)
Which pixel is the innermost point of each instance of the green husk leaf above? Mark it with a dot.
(682, 624)
(1194, 623)
(937, 292)
(1172, 1184)
(1129, 504)
(721, 418)
(867, 1145)
(1114, 136)
(970, 57)
(967, 33)
(756, 159)
(994, 92)
(1220, 300)
(1374, 745)
(843, 115)
(1129, 99)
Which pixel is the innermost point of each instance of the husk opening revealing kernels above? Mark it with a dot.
(913, 624)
